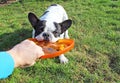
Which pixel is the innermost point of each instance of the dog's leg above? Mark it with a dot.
(33, 33)
(63, 59)
(65, 17)
(66, 34)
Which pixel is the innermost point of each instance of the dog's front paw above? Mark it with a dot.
(63, 59)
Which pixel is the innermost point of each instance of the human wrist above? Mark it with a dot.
(15, 58)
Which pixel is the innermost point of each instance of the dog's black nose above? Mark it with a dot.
(45, 35)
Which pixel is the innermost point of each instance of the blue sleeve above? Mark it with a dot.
(6, 65)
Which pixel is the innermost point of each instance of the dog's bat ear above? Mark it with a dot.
(33, 19)
(65, 25)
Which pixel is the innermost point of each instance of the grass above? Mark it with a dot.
(96, 31)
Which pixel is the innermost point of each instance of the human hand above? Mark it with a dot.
(25, 53)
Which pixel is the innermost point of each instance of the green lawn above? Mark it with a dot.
(96, 31)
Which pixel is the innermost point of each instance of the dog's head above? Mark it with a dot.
(48, 31)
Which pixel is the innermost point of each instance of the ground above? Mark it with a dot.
(95, 29)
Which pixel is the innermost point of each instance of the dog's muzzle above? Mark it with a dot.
(46, 36)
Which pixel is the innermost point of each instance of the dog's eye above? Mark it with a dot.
(56, 34)
(41, 28)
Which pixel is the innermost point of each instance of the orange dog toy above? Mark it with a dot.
(52, 50)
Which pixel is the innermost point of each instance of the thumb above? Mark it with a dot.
(41, 53)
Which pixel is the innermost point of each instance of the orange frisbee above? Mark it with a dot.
(55, 49)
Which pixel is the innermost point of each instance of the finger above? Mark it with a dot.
(28, 65)
(40, 54)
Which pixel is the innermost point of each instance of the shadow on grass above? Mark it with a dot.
(8, 40)
(115, 60)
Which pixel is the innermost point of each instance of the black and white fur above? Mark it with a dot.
(51, 26)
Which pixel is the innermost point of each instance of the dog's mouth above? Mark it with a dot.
(43, 37)
(46, 39)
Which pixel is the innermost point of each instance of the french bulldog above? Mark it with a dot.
(51, 26)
